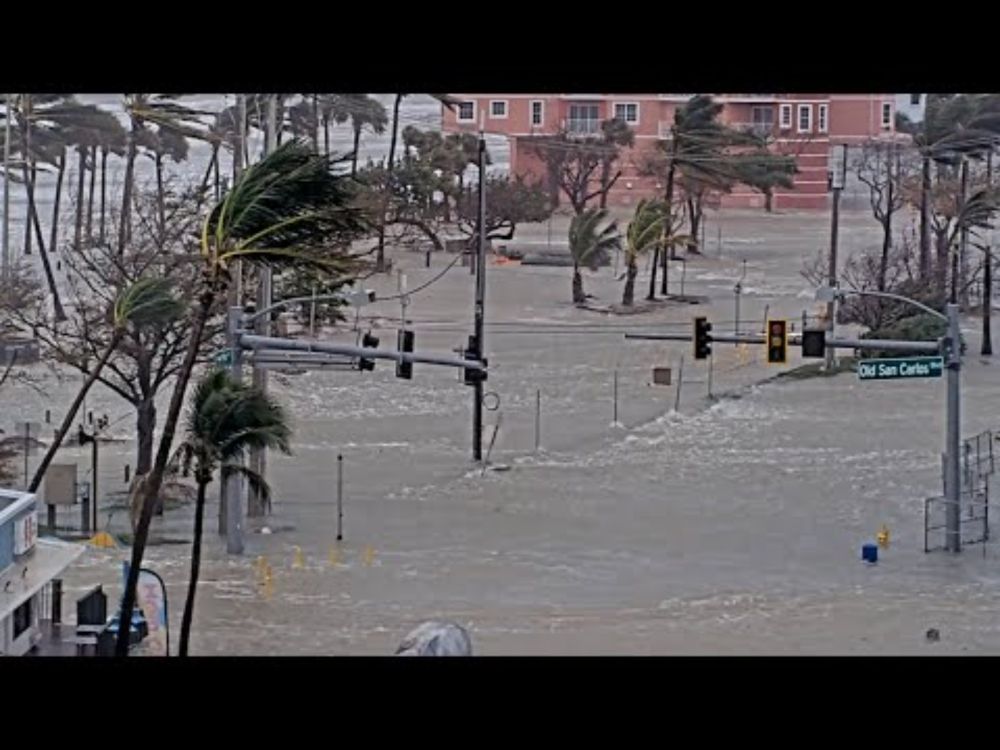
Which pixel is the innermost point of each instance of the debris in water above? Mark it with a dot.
(436, 639)
(933, 635)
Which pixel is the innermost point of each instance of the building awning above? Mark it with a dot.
(27, 576)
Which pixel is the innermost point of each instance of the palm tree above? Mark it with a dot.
(289, 209)
(365, 112)
(147, 302)
(168, 115)
(226, 420)
(591, 239)
(644, 234)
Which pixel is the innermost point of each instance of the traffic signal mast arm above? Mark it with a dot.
(933, 347)
(255, 342)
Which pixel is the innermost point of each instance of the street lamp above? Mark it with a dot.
(951, 349)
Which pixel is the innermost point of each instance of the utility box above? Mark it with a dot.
(661, 376)
(60, 484)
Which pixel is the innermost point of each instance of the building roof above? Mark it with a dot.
(26, 577)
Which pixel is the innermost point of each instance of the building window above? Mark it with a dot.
(627, 112)
(821, 118)
(786, 116)
(915, 100)
(537, 112)
(805, 118)
(584, 119)
(466, 111)
(886, 116)
(498, 109)
(22, 618)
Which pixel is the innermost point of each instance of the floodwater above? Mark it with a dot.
(731, 525)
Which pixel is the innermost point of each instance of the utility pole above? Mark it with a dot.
(258, 458)
(987, 348)
(6, 186)
(953, 435)
(477, 395)
(233, 486)
(837, 181)
(235, 296)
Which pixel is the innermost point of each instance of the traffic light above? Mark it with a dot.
(702, 340)
(777, 342)
(470, 376)
(405, 344)
(368, 342)
(814, 342)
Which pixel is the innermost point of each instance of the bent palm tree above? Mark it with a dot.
(645, 233)
(227, 419)
(289, 209)
(591, 238)
(147, 302)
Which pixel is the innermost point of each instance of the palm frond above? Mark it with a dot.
(255, 482)
(148, 301)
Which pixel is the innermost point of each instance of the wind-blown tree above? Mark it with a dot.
(226, 420)
(509, 202)
(290, 208)
(592, 238)
(148, 357)
(580, 165)
(167, 115)
(645, 233)
(159, 144)
(763, 171)
(147, 302)
(364, 112)
(879, 166)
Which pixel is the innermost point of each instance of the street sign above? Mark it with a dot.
(895, 369)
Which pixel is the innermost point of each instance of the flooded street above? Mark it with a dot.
(731, 526)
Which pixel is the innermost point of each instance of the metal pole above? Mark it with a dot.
(959, 285)
(615, 397)
(710, 360)
(831, 306)
(340, 497)
(477, 404)
(312, 315)
(538, 419)
(234, 484)
(952, 484)
(680, 377)
(93, 482)
(27, 445)
(6, 187)
(258, 458)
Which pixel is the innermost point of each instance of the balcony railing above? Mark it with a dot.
(582, 126)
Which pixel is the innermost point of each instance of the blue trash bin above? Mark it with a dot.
(869, 553)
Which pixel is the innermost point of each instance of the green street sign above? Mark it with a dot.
(905, 367)
(224, 358)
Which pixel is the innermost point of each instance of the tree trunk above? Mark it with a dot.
(925, 230)
(54, 229)
(941, 269)
(883, 261)
(90, 197)
(78, 227)
(694, 216)
(669, 200)
(628, 296)
(218, 185)
(104, 194)
(652, 276)
(769, 200)
(326, 137)
(71, 414)
(154, 480)
(199, 515)
(50, 280)
(605, 177)
(161, 207)
(578, 296)
(145, 425)
(380, 257)
(315, 122)
(212, 162)
(354, 155)
(124, 225)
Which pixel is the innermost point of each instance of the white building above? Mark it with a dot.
(912, 105)
(27, 564)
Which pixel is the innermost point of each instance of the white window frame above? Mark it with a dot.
(785, 123)
(917, 102)
(506, 109)
(807, 108)
(615, 107)
(822, 118)
(886, 110)
(458, 113)
(541, 113)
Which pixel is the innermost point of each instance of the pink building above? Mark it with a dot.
(804, 125)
